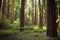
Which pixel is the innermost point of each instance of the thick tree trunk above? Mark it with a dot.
(59, 11)
(0, 3)
(32, 12)
(40, 14)
(8, 8)
(0, 7)
(35, 13)
(12, 12)
(3, 9)
(2, 23)
(51, 19)
(22, 15)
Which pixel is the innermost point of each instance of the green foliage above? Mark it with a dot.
(15, 24)
(34, 29)
(10, 31)
(7, 21)
(37, 29)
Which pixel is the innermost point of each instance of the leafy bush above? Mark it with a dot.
(7, 22)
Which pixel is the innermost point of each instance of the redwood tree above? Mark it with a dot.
(32, 12)
(8, 8)
(3, 9)
(12, 12)
(35, 13)
(2, 24)
(22, 15)
(51, 19)
(40, 13)
(0, 3)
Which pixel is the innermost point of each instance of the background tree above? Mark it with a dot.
(40, 13)
(33, 12)
(22, 15)
(0, 3)
(3, 17)
(3, 9)
(8, 9)
(51, 19)
(12, 12)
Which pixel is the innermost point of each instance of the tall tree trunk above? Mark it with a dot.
(29, 16)
(8, 12)
(0, 6)
(32, 12)
(51, 19)
(0, 3)
(59, 7)
(3, 9)
(22, 15)
(12, 12)
(26, 22)
(35, 13)
(2, 24)
(40, 14)
(59, 11)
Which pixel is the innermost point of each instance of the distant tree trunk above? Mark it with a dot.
(22, 15)
(29, 16)
(35, 12)
(8, 12)
(32, 12)
(12, 12)
(0, 7)
(2, 24)
(0, 3)
(51, 19)
(3, 9)
(40, 14)
(59, 7)
(59, 11)
(26, 21)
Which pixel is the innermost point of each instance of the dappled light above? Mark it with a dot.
(29, 19)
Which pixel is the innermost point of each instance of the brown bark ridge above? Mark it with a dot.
(32, 12)
(40, 14)
(12, 12)
(3, 9)
(51, 18)
(8, 8)
(22, 15)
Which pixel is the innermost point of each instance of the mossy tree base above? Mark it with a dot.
(3, 26)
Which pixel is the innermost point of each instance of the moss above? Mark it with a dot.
(10, 31)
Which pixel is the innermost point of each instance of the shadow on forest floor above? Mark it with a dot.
(25, 36)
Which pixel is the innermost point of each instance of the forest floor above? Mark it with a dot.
(25, 36)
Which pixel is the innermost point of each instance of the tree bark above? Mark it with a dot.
(35, 13)
(40, 14)
(51, 18)
(12, 12)
(3, 17)
(3, 9)
(0, 3)
(22, 15)
(32, 12)
(8, 8)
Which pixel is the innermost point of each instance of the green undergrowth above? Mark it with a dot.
(10, 31)
(34, 29)
(27, 29)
